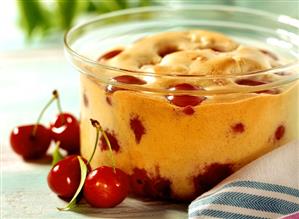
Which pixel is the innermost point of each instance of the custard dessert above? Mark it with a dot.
(183, 110)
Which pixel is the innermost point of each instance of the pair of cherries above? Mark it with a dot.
(32, 141)
(104, 187)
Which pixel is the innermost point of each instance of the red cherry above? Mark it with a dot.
(249, 82)
(105, 188)
(184, 86)
(125, 79)
(110, 54)
(66, 130)
(137, 127)
(279, 133)
(238, 128)
(64, 177)
(188, 110)
(32, 141)
(128, 79)
(185, 100)
(30, 146)
(272, 91)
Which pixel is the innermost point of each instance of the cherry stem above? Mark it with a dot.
(59, 108)
(99, 129)
(54, 96)
(96, 143)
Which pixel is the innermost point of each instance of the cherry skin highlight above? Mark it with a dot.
(105, 188)
(30, 146)
(66, 130)
(64, 177)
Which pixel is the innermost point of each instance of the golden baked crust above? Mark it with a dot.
(195, 52)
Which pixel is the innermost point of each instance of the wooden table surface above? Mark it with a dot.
(27, 80)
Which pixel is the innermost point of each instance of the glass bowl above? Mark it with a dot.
(176, 151)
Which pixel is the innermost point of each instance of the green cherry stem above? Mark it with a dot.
(99, 129)
(59, 107)
(96, 125)
(83, 169)
(56, 155)
(54, 97)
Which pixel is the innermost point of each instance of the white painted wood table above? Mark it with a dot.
(27, 80)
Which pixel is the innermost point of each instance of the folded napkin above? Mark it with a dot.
(266, 188)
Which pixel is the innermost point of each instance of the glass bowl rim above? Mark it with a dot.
(73, 52)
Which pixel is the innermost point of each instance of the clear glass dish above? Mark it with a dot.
(178, 152)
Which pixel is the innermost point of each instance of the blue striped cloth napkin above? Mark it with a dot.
(266, 188)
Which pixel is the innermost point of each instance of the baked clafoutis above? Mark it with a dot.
(212, 112)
